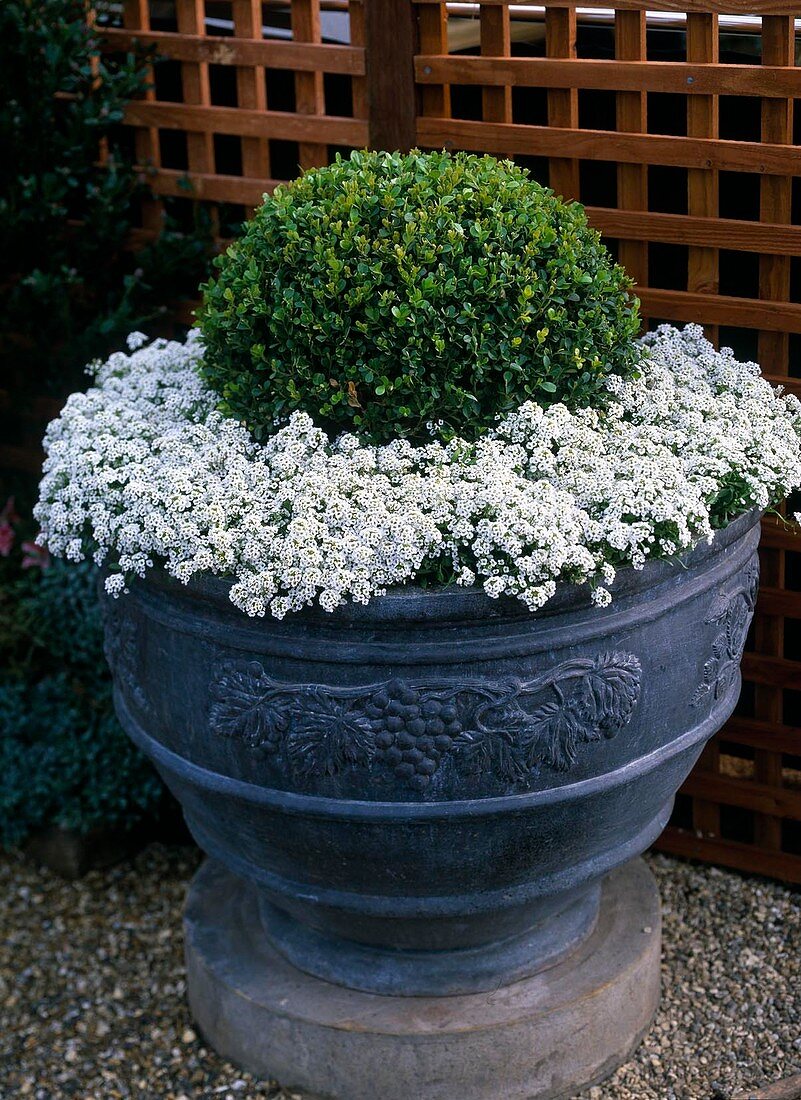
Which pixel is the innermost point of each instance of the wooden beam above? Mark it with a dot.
(786, 535)
(757, 733)
(678, 77)
(721, 309)
(609, 145)
(296, 56)
(731, 853)
(284, 125)
(730, 233)
(631, 115)
(789, 1088)
(209, 186)
(745, 793)
(719, 7)
(390, 29)
(772, 671)
(780, 601)
(560, 42)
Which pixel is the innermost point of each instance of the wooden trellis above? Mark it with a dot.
(742, 804)
(682, 148)
(303, 124)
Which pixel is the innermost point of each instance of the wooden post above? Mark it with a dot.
(309, 89)
(703, 275)
(432, 38)
(703, 264)
(775, 206)
(390, 35)
(251, 88)
(136, 16)
(496, 41)
(560, 42)
(632, 117)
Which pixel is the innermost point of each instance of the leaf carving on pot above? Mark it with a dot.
(243, 707)
(588, 700)
(121, 647)
(495, 753)
(326, 738)
(416, 731)
(732, 613)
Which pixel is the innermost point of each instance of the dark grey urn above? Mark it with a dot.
(427, 791)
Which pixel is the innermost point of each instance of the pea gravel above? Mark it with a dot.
(92, 988)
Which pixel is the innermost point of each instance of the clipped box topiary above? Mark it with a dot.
(388, 292)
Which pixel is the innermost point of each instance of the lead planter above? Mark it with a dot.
(424, 795)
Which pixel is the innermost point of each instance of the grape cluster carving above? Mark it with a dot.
(412, 732)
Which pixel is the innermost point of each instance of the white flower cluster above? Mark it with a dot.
(141, 468)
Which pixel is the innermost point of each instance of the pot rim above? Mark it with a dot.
(414, 603)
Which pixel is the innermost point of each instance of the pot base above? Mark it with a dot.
(546, 1036)
(432, 973)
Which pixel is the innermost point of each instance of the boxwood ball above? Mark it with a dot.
(410, 295)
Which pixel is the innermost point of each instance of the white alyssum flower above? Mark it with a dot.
(143, 469)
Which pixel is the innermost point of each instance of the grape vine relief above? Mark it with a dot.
(410, 730)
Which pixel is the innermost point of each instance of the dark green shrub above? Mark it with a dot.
(60, 615)
(388, 291)
(70, 286)
(64, 759)
(65, 763)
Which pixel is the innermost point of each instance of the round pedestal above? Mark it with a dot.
(432, 973)
(545, 1036)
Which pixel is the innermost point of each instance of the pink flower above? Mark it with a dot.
(36, 556)
(8, 513)
(6, 538)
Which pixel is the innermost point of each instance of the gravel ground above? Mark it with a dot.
(92, 988)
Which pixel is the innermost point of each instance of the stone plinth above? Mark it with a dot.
(544, 1037)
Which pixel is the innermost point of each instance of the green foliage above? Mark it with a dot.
(70, 289)
(64, 758)
(66, 763)
(385, 292)
(56, 614)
